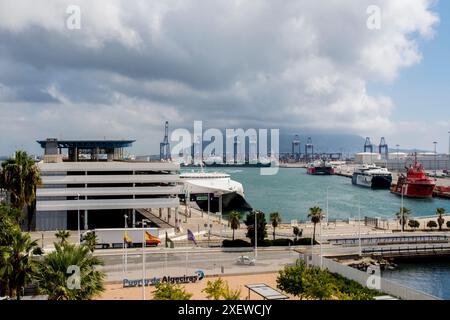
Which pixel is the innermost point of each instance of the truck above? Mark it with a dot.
(130, 237)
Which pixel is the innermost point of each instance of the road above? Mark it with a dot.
(180, 262)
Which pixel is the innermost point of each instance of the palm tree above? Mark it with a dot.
(90, 241)
(297, 232)
(440, 212)
(53, 278)
(235, 220)
(20, 177)
(402, 216)
(315, 214)
(275, 218)
(17, 266)
(62, 235)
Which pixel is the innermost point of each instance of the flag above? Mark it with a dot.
(151, 239)
(169, 242)
(191, 237)
(126, 239)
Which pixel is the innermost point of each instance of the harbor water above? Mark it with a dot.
(428, 276)
(292, 192)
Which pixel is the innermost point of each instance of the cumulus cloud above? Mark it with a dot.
(265, 63)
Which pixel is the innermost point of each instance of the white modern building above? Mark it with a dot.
(367, 157)
(95, 188)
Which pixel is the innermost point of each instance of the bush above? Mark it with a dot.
(219, 289)
(238, 243)
(214, 289)
(279, 242)
(448, 224)
(304, 242)
(432, 224)
(170, 291)
(413, 224)
(312, 282)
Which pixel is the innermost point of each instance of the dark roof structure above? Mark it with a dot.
(90, 144)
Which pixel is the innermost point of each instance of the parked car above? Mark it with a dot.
(246, 261)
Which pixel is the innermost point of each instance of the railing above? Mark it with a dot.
(386, 286)
(400, 250)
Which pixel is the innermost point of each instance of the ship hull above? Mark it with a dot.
(412, 190)
(324, 171)
(373, 182)
(230, 201)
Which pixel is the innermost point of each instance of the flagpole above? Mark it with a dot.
(144, 223)
(125, 245)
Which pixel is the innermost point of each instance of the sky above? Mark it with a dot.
(304, 65)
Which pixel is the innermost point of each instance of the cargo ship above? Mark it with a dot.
(416, 184)
(320, 167)
(372, 176)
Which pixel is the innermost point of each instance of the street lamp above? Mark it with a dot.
(328, 188)
(144, 224)
(435, 159)
(402, 216)
(79, 232)
(256, 235)
(359, 225)
(398, 157)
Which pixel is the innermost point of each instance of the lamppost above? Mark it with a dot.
(125, 246)
(359, 225)
(256, 235)
(328, 188)
(402, 216)
(435, 159)
(144, 224)
(398, 158)
(78, 206)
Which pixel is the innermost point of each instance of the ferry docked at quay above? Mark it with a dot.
(214, 191)
(372, 176)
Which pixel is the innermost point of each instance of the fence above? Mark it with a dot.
(386, 286)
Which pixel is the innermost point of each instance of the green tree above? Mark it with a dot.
(317, 284)
(214, 289)
(261, 226)
(275, 219)
(53, 273)
(440, 212)
(17, 266)
(170, 291)
(315, 214)
(20, 177)
(432, 224)
(230, 294)
(297, 232)
(8, 228)
(290, 279)
(90, 240)
(402, 216)
(62, 235)
(413, 224)
(235, 220)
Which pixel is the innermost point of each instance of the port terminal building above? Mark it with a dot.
(399, 160)
(88, 182)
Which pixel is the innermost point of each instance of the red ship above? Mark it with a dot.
(416, 184)
(320, 168)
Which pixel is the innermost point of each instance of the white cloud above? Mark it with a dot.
(271, 63)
